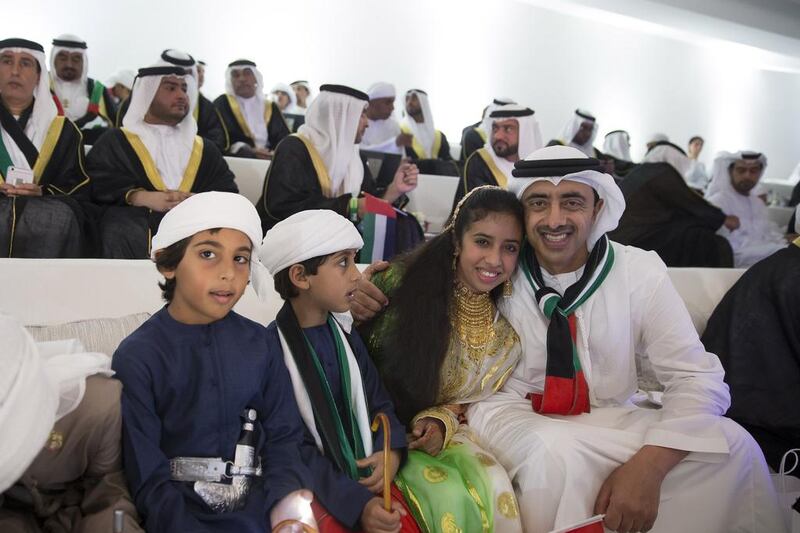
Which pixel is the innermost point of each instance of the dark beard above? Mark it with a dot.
(507, 151)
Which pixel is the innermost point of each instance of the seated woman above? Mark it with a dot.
(440, 345)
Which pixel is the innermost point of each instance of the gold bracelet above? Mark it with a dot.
(443, 415)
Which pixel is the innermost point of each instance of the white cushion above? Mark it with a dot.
(701, 289)
(780, 216)
(99, 335)
(433, 197)
(249, 175)
(55, 291)
(82, 297)
(455, 150)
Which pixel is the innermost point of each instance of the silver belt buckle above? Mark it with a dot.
(212, 469)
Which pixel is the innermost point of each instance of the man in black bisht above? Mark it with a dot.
(154, 162)
(255, 125)
(664, 215)
(755, 331)
(209, 121)
(85, 101)
(41, 162)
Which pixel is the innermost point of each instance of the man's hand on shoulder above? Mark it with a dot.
(368, 299)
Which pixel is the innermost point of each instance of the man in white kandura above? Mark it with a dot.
(565, 426)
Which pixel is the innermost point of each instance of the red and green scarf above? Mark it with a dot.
(565, 389)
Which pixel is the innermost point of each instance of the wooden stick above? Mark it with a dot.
(387, 450)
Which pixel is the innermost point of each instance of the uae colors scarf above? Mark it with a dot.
(565, 390)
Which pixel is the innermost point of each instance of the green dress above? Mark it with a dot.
(463, 488)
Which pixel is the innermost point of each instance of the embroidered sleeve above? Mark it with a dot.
(445, 416)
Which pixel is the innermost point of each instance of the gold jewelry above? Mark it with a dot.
(452, 222)
(508, 288)
(472, 319)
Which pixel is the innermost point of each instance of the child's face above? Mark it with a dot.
(211, 277)
(334, 284)
(489, 251)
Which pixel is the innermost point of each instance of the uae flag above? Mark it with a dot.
(590, 525)
(378, 228)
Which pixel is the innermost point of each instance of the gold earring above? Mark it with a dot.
(508, 288)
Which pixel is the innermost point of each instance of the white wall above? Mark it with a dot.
(463, 52)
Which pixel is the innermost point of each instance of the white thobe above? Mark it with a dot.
(73, 97)
(558, 463)
(381, 136)
(696, 177)
(253, 112)
(757, 236)
(170, 152)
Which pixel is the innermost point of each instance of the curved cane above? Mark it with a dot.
(292, 522)
(387, 490)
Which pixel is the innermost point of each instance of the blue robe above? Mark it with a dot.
(343, 497)
(185, 387)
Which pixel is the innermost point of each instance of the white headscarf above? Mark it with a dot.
(757, 235)
(486, 124)
(657, 138)
(44, 108)
(72, 94)
(571, 128)
(291, 108)
(253, 107)
(381, 89)
(381, 134)
(424, 131)
(331, 126)
(169, 146)
(208, 210)
(666, 152)
(618, 144)
(176, 58)
(39, 384)
(530, 138)
(307, 234)
(309, 98)
(607, 189)
(720, 184)
(124, 77)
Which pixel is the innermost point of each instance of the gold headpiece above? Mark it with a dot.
(452, 222)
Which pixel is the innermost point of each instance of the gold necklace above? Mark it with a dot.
(472, 318)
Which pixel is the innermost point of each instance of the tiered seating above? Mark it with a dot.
(433, 196)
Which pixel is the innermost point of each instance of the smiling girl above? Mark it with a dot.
(440, 345)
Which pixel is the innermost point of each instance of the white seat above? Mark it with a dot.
(780, 215)
(249, 175)
(455, 151)
(69, 290)
(433, 197)
(112, 288)
(781, 190)
(702, 289)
